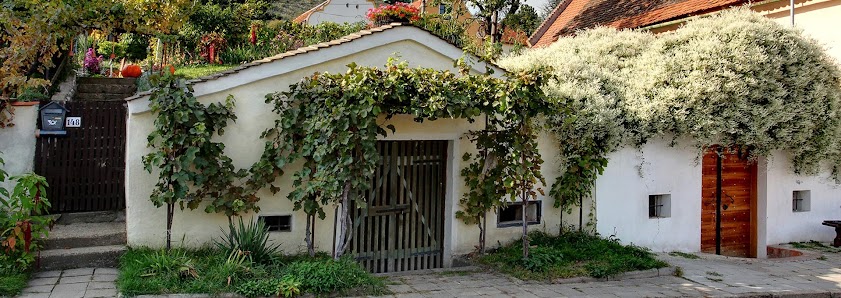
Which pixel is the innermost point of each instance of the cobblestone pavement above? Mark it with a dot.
(72, 283)
(708, 276)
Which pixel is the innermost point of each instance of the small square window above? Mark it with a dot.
(801, 200)
(512, 215)
(278, 223)
(660, 206)
(444, 9)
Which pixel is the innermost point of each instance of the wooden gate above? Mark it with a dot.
(738, 198)
(85, 168)
(402, 226)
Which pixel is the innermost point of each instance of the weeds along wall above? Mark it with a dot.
(17, 143)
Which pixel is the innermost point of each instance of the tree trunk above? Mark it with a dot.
(495, 27)
(343, 220)
(308, 237)
(483, 226)
(525, 224)
(170, 212)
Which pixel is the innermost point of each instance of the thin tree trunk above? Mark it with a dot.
(525, 224)
(482, 226)
(342, 220)
(494, 26)
(308, 237)
(170, 210)
(580, 213)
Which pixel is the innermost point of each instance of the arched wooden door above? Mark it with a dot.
(737, 178)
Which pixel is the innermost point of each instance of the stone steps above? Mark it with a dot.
(85, 240)
(81, 257)
(86, 235)
(104, 88)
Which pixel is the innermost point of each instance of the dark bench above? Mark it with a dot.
(837, 225)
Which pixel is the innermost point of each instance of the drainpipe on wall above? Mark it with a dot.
(791, 12)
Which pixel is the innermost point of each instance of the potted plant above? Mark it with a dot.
(391, 13)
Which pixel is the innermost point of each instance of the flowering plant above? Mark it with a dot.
(92, 61)
(396, 12)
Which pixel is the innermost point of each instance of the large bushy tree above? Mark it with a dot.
(736, 79)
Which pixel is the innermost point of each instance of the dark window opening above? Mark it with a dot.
(801, 200)
(277, 223)
(659, 206)
(512, 215)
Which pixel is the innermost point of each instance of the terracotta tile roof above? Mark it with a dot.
(306, 15)
(573, 15)
(299, 51)
(511, 36)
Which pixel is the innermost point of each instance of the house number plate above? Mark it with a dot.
(73, 122)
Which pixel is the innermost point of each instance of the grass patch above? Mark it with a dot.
(815, 245)
(572, 254)
(684, 255)
(11, 283)
(212, 271)
(200, 70)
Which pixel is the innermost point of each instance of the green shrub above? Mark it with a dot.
(167, 263)
(252, 238)
(323, 275)
(259, 288)
(136, 46)
(106, 48)
(569, 255)
(12, 278)
(288, 286)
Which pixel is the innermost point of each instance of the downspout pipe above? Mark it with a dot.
(791, 12)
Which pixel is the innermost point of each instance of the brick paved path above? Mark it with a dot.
(72, 283)
(708, 276)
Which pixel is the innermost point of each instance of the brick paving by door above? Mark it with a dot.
(710, 276)
(72, 283)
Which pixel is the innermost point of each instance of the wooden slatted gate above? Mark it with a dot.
(85, 168)
(402, 226)
(738, 201)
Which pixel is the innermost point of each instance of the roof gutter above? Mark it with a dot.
(683, 20)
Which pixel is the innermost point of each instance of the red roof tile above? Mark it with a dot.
(573, 15)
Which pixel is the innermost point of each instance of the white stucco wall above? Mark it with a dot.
(817, 18)
(342, 11)
(785, 225)
(17, 143)
(631, 176)
(146, 224)
(657, 168)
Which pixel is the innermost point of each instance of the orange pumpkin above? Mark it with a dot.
(131, 71)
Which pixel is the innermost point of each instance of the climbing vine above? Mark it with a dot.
(192, 167)
(736, 79)
(330, 121)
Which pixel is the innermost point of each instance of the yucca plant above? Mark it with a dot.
(252, 239)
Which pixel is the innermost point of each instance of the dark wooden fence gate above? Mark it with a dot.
(85, 168)
(402, 226)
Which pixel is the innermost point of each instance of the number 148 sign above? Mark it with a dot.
(73, 122)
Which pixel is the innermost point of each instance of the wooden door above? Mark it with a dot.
(401, 228)
(86, 168)
(738, 201)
